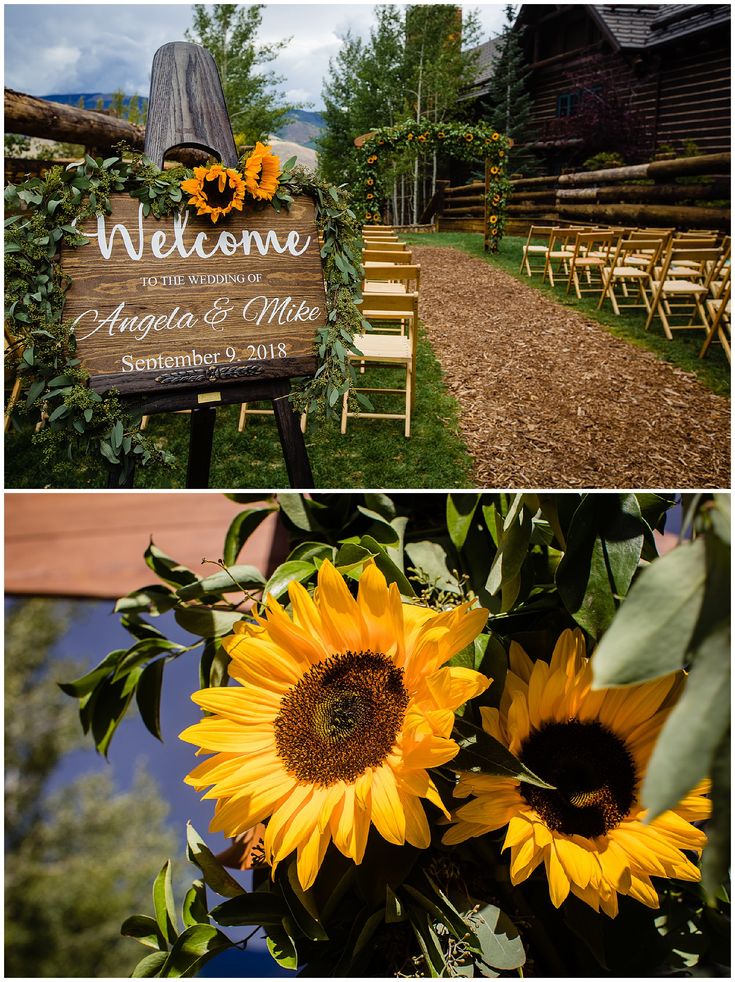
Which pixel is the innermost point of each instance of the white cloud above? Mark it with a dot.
(103, 47)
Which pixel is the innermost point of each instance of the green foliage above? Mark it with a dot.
(413, 67)
(461, 140)
(540, 562)
(603, 161)
(374, 454)
(45, 214)
(678, 617)
(229, 32)
(68, 850)
(508, 104)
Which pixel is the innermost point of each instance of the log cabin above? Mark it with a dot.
(633, 79)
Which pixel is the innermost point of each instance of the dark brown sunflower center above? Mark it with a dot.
(342, 717)
(593, 774)
(215, 197)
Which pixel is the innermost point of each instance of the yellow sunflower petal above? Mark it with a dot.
(387, 814)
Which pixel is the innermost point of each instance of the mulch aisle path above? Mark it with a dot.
(549, 399)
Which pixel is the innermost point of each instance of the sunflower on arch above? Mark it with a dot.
(343, 707)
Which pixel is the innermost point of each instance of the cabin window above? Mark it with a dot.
(568, 103)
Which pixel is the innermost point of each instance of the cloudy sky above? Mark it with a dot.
(104, 47)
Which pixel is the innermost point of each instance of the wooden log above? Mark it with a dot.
(680, 216)
(714, 163)
(456, 212)
(519, 195)
(29, 116)
(526, 182)
(648, 193)
(465, 187)
(465, 199)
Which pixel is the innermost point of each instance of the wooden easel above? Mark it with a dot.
(187, 108)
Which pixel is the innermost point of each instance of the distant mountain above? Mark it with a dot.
(90, 99)
(304, 130)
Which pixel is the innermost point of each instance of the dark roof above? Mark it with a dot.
(486, 57)
(648, 25)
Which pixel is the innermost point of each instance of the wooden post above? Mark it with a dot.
(187, 109)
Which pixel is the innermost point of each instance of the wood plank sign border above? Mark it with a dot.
(180, 313)
(163, 304)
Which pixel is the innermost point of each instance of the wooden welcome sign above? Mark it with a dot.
(181, 313)
(165, 303)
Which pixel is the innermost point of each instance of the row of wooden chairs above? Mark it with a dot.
(390, 305)
(681, 278)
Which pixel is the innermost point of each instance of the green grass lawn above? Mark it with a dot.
(713, 370)
(372, 454)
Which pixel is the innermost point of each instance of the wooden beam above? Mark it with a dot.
(29, 116)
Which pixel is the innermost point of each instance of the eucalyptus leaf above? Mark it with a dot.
(145, 930)
(604, 543)
(195, 945)
(166, 568)
(241, 528)
(685, 749)
(194, 908)
(500, 943)
(460, 513)
(266, 909)
(163, 903)
(298, 570)
(716, 856)
(651, 632)
(148, 696)
(207, 623)
(215, 875)
(234, 579)
(150, 966)
(302, 905)
(483, 753)
(431, 558)
(282, 947)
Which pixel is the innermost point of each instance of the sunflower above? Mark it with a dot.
(215, 190)
(469, 137)
(370, 182)
(409, 136)
(369, 196)
(495, 136)
(493, 218)
(494, 170)
(262, 169)
(593, 747)
(339, 711)
(372, 158)
(441, 135)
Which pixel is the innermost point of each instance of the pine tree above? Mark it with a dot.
(229, 32)
(508, 103)
(78, 860)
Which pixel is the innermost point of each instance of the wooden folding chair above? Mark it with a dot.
(388, 349)
(592, 252)
(377, 254)
(631, 272)
(394, 313)
(379, 276)
(677, 296)
(560, 252)
(536, 247)
(718, 313)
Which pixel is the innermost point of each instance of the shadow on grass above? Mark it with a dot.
(372, 454)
